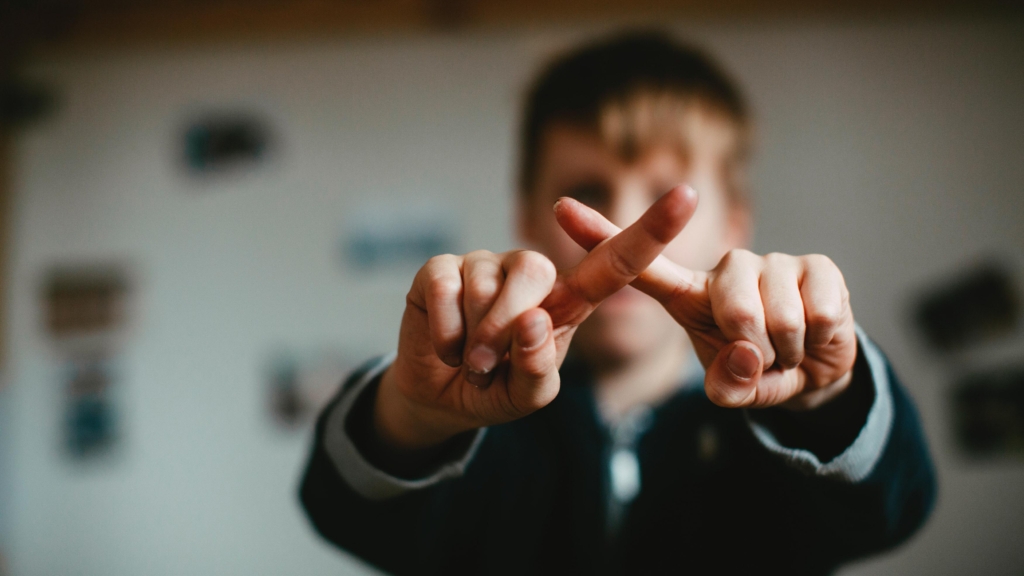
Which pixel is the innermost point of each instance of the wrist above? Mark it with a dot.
(403, 426)
(817, 398)
(831, 426)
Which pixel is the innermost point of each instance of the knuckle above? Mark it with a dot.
(539, 265)
(789, 357)
(444, 287)
(439, 260)
(481, 288)
(439, 266)
(479, 254)
(735, 257)
(739, 254)
(780, 262)
(819, 260)
(622, 265)
(534, 265)
(742, 319)
(823, 265)
(825, 316)
(789, 362)
(788, 324)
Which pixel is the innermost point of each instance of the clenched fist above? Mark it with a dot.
(773, 330)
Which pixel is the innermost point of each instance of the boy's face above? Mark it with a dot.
(576, 163)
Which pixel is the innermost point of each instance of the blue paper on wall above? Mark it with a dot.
(398, 236)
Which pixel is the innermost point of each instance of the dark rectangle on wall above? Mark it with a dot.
(977, 307)
(988, 410)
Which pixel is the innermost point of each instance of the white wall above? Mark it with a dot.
(896, 149)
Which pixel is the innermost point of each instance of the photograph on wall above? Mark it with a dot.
(91, 426)
(972, 308)
(85, 314)
(226, 142)
(988, 413)
(385, 236)
(300, 383)
(84, 302)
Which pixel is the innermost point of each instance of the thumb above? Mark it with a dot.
(731, 379)
(533, 379)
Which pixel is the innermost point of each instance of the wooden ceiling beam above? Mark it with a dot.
(72, 24)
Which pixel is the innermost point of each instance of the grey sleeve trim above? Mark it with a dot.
(370, 482)
(858, 460)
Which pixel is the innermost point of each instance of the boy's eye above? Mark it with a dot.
(592, 194)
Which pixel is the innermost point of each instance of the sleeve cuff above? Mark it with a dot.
(858, 460)
(365, 479)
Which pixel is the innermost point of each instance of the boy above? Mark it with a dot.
(488, 444)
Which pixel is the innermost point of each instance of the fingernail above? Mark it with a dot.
(743, 362)
(535, 334)
(482, 359)
(557, 202)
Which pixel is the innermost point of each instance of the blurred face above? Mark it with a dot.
(576, 163)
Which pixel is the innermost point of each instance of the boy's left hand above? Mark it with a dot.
(773, 330)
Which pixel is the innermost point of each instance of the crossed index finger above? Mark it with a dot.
(617, 261)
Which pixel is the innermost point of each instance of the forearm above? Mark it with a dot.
(369, 529)
(884, 508)
(364, 509)
(339, 509)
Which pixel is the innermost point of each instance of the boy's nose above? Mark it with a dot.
(625, 207)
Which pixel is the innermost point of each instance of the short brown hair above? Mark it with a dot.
(633, 89)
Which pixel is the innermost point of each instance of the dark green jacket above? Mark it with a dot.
(714, 499)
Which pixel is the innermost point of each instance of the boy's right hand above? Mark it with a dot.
(483, 334)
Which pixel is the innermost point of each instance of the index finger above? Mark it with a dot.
(617, 261)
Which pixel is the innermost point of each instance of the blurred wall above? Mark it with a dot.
(893, 148)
